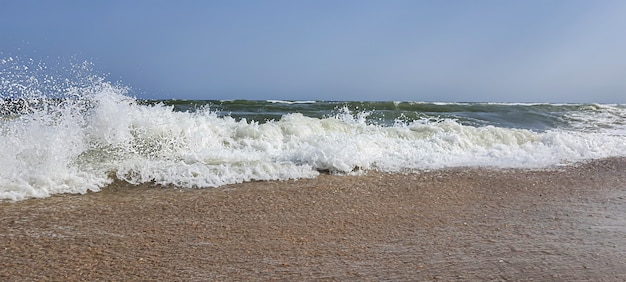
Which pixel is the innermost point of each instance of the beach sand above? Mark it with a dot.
(564, 224)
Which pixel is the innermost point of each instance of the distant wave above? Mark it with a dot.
(290, 102)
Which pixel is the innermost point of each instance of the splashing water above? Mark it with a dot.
(75, 132)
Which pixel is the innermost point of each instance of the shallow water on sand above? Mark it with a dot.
(469, 224)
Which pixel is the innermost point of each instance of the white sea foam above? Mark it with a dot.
(81, 144)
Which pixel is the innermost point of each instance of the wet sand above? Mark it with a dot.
(458, 224)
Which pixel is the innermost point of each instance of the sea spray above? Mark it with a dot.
(78, 135)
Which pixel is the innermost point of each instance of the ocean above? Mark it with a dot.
(79, 137)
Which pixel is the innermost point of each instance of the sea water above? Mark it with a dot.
(77, 132)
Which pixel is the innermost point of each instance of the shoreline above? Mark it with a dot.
(566, 223)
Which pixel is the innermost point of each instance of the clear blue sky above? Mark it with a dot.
(440, 50)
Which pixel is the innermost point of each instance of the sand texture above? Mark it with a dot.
(456, 224)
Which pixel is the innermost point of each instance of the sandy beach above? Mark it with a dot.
(563, 224)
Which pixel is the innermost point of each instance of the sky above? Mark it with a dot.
(559, 51)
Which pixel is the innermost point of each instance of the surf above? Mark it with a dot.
(90, 132)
